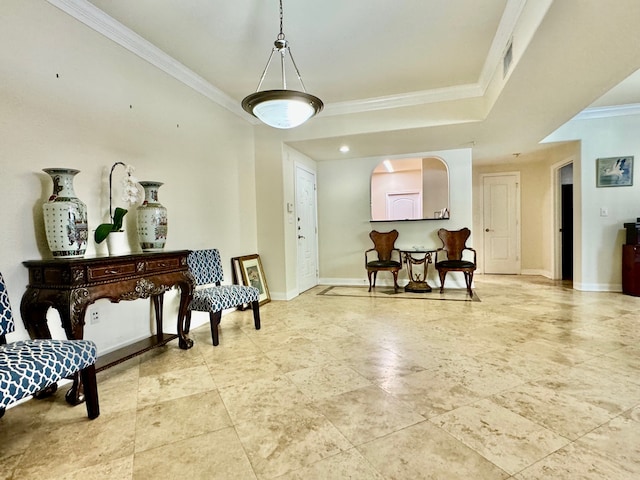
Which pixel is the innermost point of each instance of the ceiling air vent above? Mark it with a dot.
(506, 60)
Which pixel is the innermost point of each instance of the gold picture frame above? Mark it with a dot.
(249, 269)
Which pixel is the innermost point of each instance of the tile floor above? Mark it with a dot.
(534, 381)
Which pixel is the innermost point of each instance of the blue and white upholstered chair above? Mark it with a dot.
(206, 267)
(30, 366)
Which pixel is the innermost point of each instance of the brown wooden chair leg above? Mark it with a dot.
(395, 281)
(256, 313)
(90, 385)
(214, 320)
(469, 279)
(369, 272)
(442, 274)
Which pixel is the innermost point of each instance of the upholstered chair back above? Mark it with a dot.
(6, 318)
(206, 266)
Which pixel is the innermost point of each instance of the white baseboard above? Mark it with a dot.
(598, 287)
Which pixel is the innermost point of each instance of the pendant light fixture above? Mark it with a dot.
(282, 108)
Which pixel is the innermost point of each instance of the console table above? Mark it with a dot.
(70, 285)
(417, 280)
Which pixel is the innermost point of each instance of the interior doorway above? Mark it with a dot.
(566, 221)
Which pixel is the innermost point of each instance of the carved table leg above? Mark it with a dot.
(186, 294)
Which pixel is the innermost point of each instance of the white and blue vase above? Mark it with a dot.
(152, 219)
(65, 216)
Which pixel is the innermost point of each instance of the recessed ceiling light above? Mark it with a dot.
(344, 148)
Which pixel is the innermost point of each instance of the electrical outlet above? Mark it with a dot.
(604, 212)
(95, 317)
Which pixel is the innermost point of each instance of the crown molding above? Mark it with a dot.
(94, 18)
(605, 112)
(404, 100)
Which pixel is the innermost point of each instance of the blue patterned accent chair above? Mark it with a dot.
(31, 366)
(206, 267)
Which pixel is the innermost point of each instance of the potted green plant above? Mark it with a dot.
(130, 195)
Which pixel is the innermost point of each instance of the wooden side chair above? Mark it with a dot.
(212, 297)
(388, 257)
(33, 367)
(453, 245)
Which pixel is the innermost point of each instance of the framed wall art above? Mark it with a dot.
(614, 172)
(250, 269)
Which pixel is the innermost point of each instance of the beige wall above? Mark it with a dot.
(344, 215)
(71, 98)
(536, 203)
(602, 237)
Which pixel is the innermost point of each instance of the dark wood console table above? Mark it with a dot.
(70, 285)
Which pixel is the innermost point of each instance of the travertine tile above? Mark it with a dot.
(367, 413)
(611, 451)
(262, 398)
(426, 451)
(327, 380)
(541, 383)
(350, 464)
(178, 419)
(289, 441)
(118, 469)
(566, 415)
(430, 392)
(154, 389)
(505, 438)
(65, 448)
(234, 371)
(216, 455)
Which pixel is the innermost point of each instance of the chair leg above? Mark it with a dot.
(469, 278)
(395, 281)
(214, 320)
(369, 272)
(442, 274)
(90, 386)
(256, 313)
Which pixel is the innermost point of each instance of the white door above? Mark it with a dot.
(404, 205)
(501, 213)
(306, 230)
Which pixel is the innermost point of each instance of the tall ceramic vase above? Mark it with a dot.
(152, 219)
(65, 216)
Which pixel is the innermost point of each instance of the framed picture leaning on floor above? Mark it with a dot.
(251, 272)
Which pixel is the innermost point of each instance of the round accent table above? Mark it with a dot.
(414, 258)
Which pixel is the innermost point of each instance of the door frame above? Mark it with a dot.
(518, 218)
(556, 217)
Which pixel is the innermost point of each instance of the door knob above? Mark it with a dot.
(300, 236)
(486, 230)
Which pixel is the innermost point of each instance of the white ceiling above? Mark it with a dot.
(396, 77)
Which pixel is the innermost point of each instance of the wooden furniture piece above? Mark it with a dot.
(70, 285)
(388, 260)
(454, 245)
(33, 367)
(417, 279)
(206, 268)
(631, 260)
